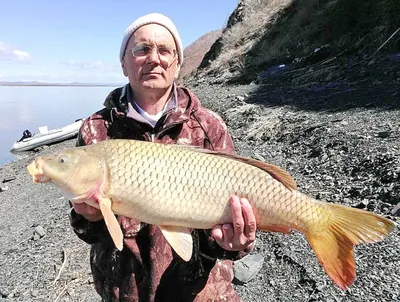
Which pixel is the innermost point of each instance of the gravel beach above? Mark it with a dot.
(339, 138)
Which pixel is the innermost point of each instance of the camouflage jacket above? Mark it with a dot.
(147, 269)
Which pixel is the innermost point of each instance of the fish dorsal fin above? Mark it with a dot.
(111, 222)
(277, 173)
(180, 240)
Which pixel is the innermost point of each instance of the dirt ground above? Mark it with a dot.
(335, 127)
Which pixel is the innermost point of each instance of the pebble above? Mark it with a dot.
(396, 210)
(39, 232)
(247, 268)
(240, 98)
(4, 293)
(384, 134)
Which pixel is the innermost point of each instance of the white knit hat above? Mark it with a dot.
(153, 18)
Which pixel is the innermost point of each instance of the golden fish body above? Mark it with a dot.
(178, 188)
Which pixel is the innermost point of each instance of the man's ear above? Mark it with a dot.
(177, 71)
(123, 67)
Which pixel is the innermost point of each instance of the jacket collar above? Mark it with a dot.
(177, 112)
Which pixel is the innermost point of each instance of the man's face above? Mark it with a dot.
(153, 71)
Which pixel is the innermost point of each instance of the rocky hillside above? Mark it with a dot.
(194, 53)
(261, 34)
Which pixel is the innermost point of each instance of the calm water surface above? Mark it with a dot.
(29, 107)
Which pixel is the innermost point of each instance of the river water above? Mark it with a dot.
(30, 107)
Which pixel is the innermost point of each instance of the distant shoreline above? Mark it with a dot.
(62, 84)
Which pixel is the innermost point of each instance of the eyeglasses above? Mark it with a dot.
(165, 53)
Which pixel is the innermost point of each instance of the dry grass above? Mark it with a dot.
(286, 31)
(243, 36)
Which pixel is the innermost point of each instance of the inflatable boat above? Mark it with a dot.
(46, 137)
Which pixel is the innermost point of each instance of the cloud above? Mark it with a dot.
(10, 53)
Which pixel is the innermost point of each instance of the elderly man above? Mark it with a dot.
(151, 107)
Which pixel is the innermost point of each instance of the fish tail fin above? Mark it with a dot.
(334, 245)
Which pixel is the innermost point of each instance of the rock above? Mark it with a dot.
(362, 204)
(35, 293)
(240, 98)
(39, 232)
(247, 268)
(3, 189)
(384, 134)
(396, 210)
(75, 275)
(4, 292)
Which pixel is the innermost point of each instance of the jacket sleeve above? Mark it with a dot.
(216, 132)
(90, 232)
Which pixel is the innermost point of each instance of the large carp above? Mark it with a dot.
(180, 188)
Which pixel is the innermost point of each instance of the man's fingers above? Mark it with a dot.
(80, 208)
(249, 219)
(88, 212)
(241, 233)
(237, 216)
(217, 233)
(228, 235)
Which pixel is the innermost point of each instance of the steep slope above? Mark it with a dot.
(194, 53)
(299, 33)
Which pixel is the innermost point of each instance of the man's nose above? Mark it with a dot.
(153, 55)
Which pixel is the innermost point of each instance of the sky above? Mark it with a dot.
(79, 40)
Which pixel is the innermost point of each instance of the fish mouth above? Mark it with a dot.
(36, 170)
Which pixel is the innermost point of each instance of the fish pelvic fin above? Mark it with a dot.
(334, 246)
(180, 239)
(111, 222)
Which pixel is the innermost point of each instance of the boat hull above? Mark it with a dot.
(51, 137)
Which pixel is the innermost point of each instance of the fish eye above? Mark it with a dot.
(62, 159)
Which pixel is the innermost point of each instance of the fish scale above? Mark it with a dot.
(212, 186)
(180, 188)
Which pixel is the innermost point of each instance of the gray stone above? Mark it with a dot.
(384, 134)
(396, 210)
(240, 98)
(35, 293)
(39, 231)
(247, 268)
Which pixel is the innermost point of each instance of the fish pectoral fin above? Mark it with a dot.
(111, 222)
(180, 240)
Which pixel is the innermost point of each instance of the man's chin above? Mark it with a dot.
(154, 84)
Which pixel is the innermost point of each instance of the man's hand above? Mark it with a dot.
(241, 234)
(88, 212)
